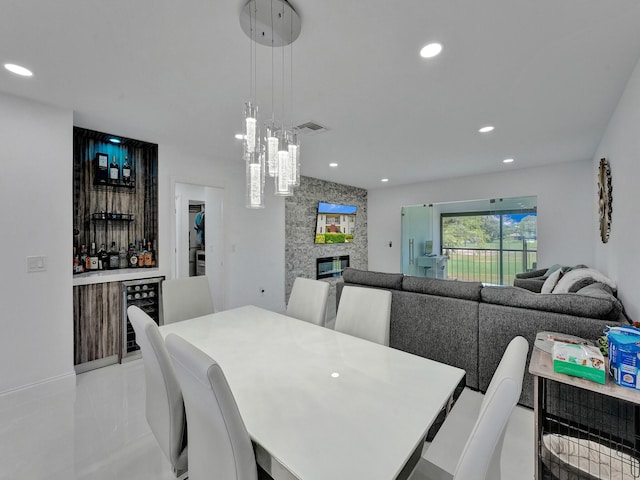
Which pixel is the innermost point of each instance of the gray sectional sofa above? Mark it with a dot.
(469, 325)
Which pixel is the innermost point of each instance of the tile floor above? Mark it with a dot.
(97, 430)
(517, 453)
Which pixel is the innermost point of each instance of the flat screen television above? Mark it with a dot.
(335, 223)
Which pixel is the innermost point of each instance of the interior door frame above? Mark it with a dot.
(216, 269)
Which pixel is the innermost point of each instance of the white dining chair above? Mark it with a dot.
(308, 300)
(184, 298)
(219, 444)
(468, 446)
(365, 313)
(164, 407)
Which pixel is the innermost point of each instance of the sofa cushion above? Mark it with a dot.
(443, 288)
(373, 279)
(443, 329)
(569, 303)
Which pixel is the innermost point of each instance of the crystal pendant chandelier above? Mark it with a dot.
(251, 131)
(254, 158)
(272, 147)
(294, 158)
(273, 23)
(255, 179)
(283, 179)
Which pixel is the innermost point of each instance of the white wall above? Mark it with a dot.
(36, 339)
(36, 344)
(619, 258)
(253, 239)
(565, 221)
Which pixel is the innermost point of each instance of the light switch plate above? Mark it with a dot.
(36, 264)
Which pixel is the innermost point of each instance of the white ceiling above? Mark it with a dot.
(547, 73)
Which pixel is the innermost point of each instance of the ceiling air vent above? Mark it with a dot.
(311, 128)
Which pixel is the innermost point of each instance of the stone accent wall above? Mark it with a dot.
(300, 223)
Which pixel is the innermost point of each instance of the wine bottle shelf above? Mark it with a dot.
(111, 216)
(113, 183)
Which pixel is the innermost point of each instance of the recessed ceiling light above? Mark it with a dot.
(384, 180)
(18, 70)
(487, 129)
(333, 165)
(239, 136)
(115, 140)
(430, 50)
(507, 160)
(335, 374)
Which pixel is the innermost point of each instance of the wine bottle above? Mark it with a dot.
(114, 171)
(123, 257)
(148, 255)
(92, 259)
(114, 257)
(83, 258)
(141, 254)
(132, 256)
(126, 171)
(154, 254)
(103, 258)
(102, 168)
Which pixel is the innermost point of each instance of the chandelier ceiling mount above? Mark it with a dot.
(277, 30)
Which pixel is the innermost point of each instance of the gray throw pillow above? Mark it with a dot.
(604, 292)
(552, 269)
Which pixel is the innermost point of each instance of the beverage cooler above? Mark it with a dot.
(145, 293)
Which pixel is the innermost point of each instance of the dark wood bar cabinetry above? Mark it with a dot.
(115, 222)
(96, 331)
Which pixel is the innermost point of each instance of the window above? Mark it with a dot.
(491, 246)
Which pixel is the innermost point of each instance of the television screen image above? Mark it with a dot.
(335, 223)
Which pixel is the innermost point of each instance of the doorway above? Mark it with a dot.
(199, 240)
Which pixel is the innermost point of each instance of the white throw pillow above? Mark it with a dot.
(574, 276)
(551, 281)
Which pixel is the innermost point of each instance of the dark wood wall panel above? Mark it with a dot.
(97, 308)
(97, 314)
(141, 201)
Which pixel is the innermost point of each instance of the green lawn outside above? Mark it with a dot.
(484, 266)
(507, 244)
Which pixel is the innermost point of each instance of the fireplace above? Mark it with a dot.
(327, 267)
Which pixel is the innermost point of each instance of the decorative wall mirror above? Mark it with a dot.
(605, 199)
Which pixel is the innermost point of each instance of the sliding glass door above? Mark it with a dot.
(490, 247)
(417, 238)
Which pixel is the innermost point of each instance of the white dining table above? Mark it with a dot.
(319, 404)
